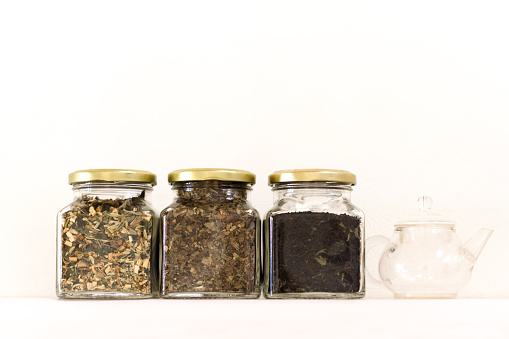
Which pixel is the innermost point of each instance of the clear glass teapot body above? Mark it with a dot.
(425, 262)
(425, 258)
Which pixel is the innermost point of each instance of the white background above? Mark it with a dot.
(410, 96)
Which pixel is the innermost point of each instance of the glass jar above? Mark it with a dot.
(313, 236)
(210, 236)
(104, 236)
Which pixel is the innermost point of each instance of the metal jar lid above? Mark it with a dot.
(308, 175)
(220, 174)
(112, 175)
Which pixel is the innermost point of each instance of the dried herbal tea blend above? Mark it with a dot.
(209, 240)
(105, 246)
(316, 252)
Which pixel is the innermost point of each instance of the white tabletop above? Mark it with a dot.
(366, 318)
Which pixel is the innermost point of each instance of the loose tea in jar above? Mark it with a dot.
(314, 236)
(210, 236)
(105, 236)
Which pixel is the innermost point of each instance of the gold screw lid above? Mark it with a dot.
(306, 175)
(112, 175)
(221, 174)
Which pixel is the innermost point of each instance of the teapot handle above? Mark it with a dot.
(372, 242)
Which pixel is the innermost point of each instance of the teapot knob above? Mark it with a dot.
(425, 204)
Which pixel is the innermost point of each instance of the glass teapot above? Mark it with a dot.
(425, 258)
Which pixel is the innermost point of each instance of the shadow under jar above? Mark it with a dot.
(104, 238)
(313, 237)
(210, 236)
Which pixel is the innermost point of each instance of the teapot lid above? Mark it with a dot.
(425, 217)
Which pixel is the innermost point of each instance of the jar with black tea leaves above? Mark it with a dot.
(105, 238)
(313, 236)
(210, 236)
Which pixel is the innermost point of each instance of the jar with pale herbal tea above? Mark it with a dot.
(105, 236)
(313, 236)
(210, 236)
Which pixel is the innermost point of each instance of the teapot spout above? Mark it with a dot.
(473, 247)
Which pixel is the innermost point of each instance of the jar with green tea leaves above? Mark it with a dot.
(314, 236)
(105, 236)
(210, 236)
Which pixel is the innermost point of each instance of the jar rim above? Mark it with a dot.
(310, 185)
(112, 175)
(112, 184)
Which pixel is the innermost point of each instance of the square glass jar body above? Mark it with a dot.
(105, 245)
(314, 243)
(210, 242)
